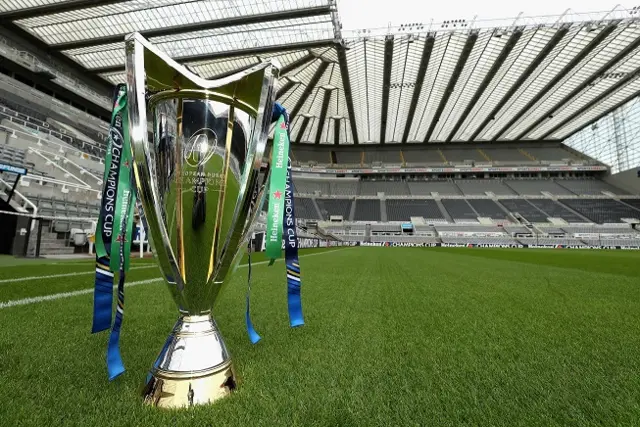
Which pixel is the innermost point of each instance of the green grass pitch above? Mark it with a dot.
(393, 337)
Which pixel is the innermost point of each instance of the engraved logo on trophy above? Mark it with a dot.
(200, 147)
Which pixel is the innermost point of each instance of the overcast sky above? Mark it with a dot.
(357, 14)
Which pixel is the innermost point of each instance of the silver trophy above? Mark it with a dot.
(198, 180)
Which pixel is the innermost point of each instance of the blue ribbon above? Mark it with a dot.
(253, 335)
(115, 366)
(294, 282)
(294, 300)
(102, 296)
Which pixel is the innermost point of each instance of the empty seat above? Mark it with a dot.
(550, 154)
(555, 210)
(534, 187)
(602, 210)
(479, 187)
(391, 188)
(404, 209)
(525, 209)
(367, 210)
(344, 187)
(459, 209)
(305, 209)
(330, 207)
(587, 187)
(308, 186)
(487, 208)
(349, 157)
(425, 188)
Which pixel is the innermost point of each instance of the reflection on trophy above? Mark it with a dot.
(198, 183)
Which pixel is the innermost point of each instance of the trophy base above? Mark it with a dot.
(193, 368)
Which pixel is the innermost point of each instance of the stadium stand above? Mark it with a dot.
(425, 188)
(330, 207)
(404, 209)
(535, 187)
(488, 208)
(525, 209)
(344, 187)
(589, 187)
(349, 157)
(460, 210)
(391, 188)
(481, 186)
(602, 211)
(308, 186)
(504, 155)
(550, 153)
(305, 208)
(367, 210)
(555, 210)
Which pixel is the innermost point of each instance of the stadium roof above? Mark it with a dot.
(457, 81)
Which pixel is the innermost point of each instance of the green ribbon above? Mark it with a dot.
(124, 206)
(104, 228)
(279, 159)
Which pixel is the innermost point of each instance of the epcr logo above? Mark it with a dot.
(200, 147)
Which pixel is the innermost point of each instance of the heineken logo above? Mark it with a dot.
(283, 125)
(277, 194)
(200, 147)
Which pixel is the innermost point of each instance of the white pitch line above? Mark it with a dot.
(53, 276)
(34, 300)
(301, 256)
(43, 298)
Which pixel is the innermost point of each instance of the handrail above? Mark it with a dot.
(24, 199)
(58, 182)
(57, 166)
(83, 170)
(28, 121)
(65, 147)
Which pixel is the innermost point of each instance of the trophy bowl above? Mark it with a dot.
(197, 151)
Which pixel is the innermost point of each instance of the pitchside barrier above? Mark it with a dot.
(29, 235)
(488, 245)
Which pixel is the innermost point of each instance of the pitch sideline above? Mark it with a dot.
(77, 273)
(52, 297)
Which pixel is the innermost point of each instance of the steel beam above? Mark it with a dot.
(200, 26)
(582, 86)
(386, 85)
(506, 50)
(323, 114)
(346, 85)
(285, 87)
(303, 128)
(336, 131)
(595, 101)
(422, 70)
(559, 35)
(297, 63)
(308, 89)
(54, 8)
(263, 50)
(595, 42)
(462, 60)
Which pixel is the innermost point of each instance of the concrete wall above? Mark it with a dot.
(627, 180)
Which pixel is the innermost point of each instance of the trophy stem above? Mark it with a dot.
(193, 368)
